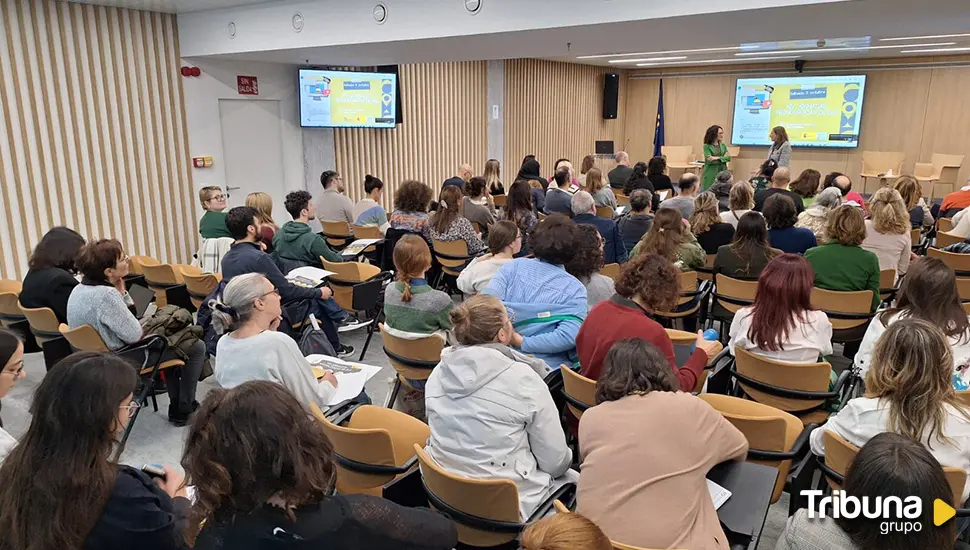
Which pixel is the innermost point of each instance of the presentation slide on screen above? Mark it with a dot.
(338, 99)
(817, 111)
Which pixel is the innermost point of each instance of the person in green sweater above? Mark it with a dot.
(715, 155)
(842, 264)
(213, 222)
(412, 308)
(295, 244)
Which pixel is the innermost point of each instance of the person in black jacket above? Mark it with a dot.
(51, 277)
(639, 180)
(59, 489)
(264, 473)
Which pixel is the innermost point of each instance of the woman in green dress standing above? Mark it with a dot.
(715, 155)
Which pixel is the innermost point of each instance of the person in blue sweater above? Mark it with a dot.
(547, 303)
(584, 212)
(780, 213)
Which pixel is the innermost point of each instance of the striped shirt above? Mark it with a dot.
(426, 313)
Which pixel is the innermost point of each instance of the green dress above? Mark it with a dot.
(712, 168)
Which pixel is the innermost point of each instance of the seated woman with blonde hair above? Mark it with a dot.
(888, 231)
(263, 204)
(912, 193)
(599, 188)
(670, 238)
(564, 532)
(706, 224)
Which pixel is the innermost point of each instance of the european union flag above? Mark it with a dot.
(658, 133)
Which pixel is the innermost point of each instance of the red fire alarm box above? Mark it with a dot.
(198, 162)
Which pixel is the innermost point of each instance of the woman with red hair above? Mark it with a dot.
(782, 325)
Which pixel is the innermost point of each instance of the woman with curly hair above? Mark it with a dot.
(586, 263)
(647, 284)
(264, 476)
(707, 226)
(646, 450)
(670, 238)
(888, 231)
(411, 207)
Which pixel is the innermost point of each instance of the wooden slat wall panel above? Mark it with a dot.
(555, 110)
(92, 130)
(445, 124)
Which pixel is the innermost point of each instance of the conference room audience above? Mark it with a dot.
(635, 224)
(250, 307)
(929, 292)
(740, 202)
(909, 392)
(493, 177)
(334, 205)
(707, 226)
(533, 288)
(102, 302)
(564, 532)
(888, 466)
(716, 155)
(212, 225)
(586, 263)
(459, 181)
(782, 324)
(842, 264)
(589, 161)
(779, 186)
(584, 213)
(816, 216)
(520, 211)
(504, 242)
(295, 244)
(721, 189)
(368, 211)
(447, 224)
(476, 205)
(50, 279)
(670, 238)
(749, 252)
(780, 150)
(643, 482)
(602, 193)
(840, 180)
(647, 285)
(12, 371)
(657, 174)
(58, 486)
(263, 203)
(779, 212)
(955, 201)
(639, 180)
(683, 202)
(558, 197)
(619, 176)
(888, 231)
(486, 391)
(412, 308)
(806, 186)
(411, 208)
(264, 475)
(912, 193)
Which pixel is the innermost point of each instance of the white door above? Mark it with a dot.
(252, 144)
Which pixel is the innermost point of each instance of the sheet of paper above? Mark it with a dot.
(358, 246)
(620, 211)
(351, 377)
(719, 495)
(308, 276)
(663, 194)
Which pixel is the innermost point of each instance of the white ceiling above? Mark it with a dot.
(174, 6)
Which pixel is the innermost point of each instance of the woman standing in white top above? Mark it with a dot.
(908, 392)
(12, 359)
(250, 307)
(888, 231)
(504, 242)
(929, 292)
(740, 202)
(782, 325)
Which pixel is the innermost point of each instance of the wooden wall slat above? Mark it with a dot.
(85, 92)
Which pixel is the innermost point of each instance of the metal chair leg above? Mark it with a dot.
(389, 403)
(370, 334)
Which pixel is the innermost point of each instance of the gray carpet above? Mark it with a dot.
(154, 441)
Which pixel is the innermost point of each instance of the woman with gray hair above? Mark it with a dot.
(816, 217)
(250, 349)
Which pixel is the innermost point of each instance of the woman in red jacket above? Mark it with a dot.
(647, 284)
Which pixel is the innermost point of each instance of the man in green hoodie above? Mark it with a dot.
(295, 244)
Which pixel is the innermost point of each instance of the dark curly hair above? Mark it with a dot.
(634, 366)
(779, 211)
(58, 248)
(587, 254)
(553, 240)
(651, 278)
(251, 443)
(475, 187)
(413, 196)
(296, 202)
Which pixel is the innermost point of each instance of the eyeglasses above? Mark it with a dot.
(510, 314)
(15, 373)
(217, 197)
(275, 291)
(132, 408)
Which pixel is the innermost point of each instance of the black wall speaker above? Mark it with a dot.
(611, 95)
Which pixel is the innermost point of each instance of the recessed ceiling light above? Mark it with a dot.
(649, 59)
(924, 37)
(937, 50)
(700, 50)
(729, 60)
(844, 49)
